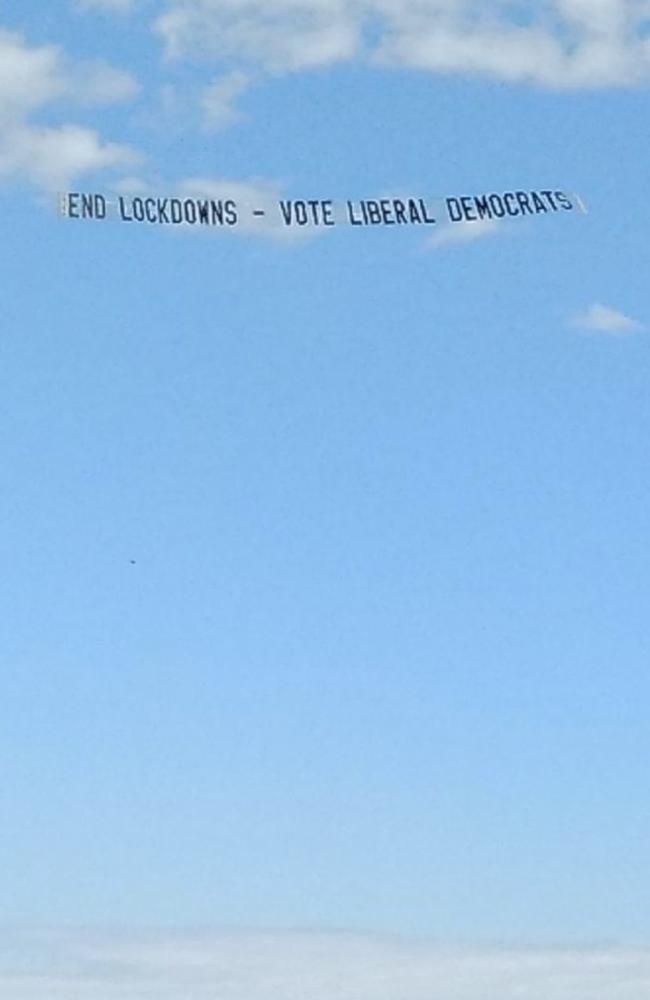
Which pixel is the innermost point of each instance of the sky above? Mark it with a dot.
(325, 568)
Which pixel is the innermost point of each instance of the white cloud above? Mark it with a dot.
(568, 44)
(35, 78)
(29, 77)
(51, 158)
(320, 966)
(218, 101)
(603, 319)
(463, 232)
(132, 185)
(554, 43)
(276, 34)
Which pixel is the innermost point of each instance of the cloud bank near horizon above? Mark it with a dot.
(243, 965)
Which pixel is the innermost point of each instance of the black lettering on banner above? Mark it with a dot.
(428, 219)
(496, 206)
(386, 212)
(318, 212)
(354, 221)
(150, 209)
(295, 212)
(285, 208)
(482, 207)
(374, 213)
(524, 203)
(454, 210)
(300, 213)
(400, 211)
(564, 201)
(414, 212)
(304, 213)
(218, 212)
(538, 203)
(124, 216)
(510, 201)
(468, 211)
(87, 206)
(189, 211)
(137, 206)
(93, 206)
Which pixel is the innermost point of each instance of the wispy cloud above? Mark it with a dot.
(599, 318)
(279, 966)
(218, 101)
(97, 82)
(459, 233)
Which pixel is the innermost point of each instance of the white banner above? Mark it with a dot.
(316, 213)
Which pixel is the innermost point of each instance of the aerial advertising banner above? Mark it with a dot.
(229, 213)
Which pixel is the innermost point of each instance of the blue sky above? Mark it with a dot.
(325, 588)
